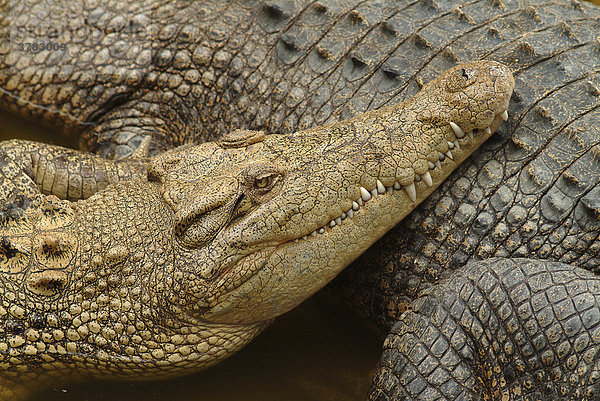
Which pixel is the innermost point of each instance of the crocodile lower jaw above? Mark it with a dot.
(410, 191)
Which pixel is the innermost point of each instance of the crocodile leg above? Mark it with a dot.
(27, 168)
(509, 329)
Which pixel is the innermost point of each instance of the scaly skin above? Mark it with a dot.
(531, 192)
(167, 275)
(185, 72)
(534, 325)
(30, 167)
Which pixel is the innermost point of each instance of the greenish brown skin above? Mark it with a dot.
(164, 276)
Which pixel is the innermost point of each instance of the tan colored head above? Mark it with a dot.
(262, 222)
(167, 275)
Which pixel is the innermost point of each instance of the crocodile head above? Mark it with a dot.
(260, 222)
(182, 269)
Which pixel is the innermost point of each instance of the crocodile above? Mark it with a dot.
(174, 271)
(285, 66)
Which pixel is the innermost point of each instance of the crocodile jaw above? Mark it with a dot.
(304, 265)
(307, 260)
(147, 250)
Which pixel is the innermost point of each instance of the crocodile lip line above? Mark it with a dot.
(410, 190)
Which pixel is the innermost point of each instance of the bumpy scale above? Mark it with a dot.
(501, 329)
(164, 276)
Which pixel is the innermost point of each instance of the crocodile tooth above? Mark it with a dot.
(438, 164)
(364, 194)
(355, 206)
(449, 154)
(488, 131)
(431, 166)
(441, 156)
(351, 213)
(321, 230)
(380, 187)
(397, 185)
(343, 216)
(411, 191)
(427, 179)
(314, 233)
(389, 189)
(360, 202)
(375, 192)
(450, 145)
(332, 223)
(295, 239)
(305, 237)
(457, 130)
(338, 221)
(417, 178)
(471, 135)
(504, 115)
(456, 144)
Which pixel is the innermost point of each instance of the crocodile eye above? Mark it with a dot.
(260, 179)
(264, 181)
